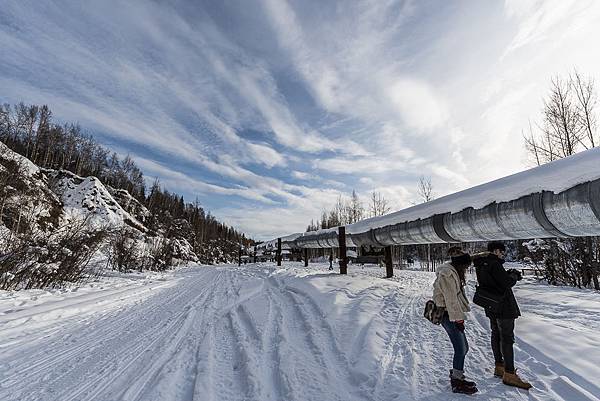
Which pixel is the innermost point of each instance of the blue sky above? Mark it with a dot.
(267, 110)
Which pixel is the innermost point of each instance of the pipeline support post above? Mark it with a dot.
(278, 251)
(342, 247)
(305, 257)
(389, 266)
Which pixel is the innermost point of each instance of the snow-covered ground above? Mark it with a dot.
(263, 333)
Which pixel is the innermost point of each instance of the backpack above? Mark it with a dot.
(433, 313)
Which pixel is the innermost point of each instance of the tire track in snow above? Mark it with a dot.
(9, 321)
(333, 348)
(227, 380)
(98, 345)
(321, 339)
(306, 366)
(244, 340)
(91, 337)
(203, 382)
(231, 364)
(419, 343)
(200, 382)
(300, 368)
(186, 342)
(179, 323)
(409, 373)
(217, 328)
(390, 358)
(236, 345)
(271, 343)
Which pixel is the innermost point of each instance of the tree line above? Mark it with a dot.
(30, 131)
(348, 210)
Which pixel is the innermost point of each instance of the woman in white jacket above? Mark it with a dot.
(449, 293)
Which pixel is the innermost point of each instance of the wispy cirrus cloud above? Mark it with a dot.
(276, 108)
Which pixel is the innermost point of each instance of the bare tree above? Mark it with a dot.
(425, 189)
(340, 212)
(561, 117)
(124, 249)
(533, 146)
(568, 120)
(568, 126)
(355, 208)
(586, 105)
(48, 259)
(324, 224)
(378, 205)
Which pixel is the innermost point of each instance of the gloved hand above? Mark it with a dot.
(515, 273)
(460, 325)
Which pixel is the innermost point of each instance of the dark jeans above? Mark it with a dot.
(503, 338)
(459, 343)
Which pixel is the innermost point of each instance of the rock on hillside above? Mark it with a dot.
(131, 205)
(87, 198)
(27, 204)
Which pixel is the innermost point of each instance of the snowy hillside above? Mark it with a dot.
(41, 208)
(88, 197)
(294, 333)
(38, 191)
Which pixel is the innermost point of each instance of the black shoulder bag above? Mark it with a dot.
(488, 300)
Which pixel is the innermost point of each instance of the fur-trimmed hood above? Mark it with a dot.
(480, 258)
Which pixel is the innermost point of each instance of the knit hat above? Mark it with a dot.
(454, 251)
(461, 260)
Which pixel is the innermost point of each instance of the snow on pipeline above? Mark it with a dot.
(259, 332)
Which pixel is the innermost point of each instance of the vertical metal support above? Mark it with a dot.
(401, 258)
(254, 253)
(240, 255)
(305, 257)
(428, 257)
(389, 266)
(342, 247)
(278, 251)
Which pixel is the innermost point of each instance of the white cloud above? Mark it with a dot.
(418, 104)
(178, 181)
(367, 165)
(537, 18)
(304, 176)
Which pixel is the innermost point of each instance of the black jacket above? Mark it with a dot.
(492, 277)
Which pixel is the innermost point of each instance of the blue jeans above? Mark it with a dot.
(459, 343)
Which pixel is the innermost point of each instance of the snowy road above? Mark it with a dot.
(258, 333)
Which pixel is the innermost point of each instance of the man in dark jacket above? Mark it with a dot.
(493, 278)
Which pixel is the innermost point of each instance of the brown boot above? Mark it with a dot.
(512, 379)
(499, 370)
